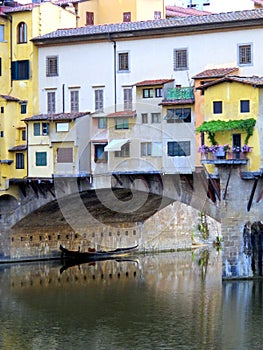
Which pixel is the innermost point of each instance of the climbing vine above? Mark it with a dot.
(213, 126)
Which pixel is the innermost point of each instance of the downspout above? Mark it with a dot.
(11, 45)
(115, 73)
(63, 98)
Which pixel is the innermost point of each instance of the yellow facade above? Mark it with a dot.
(230, 94)
(18, 53)
(105, 11)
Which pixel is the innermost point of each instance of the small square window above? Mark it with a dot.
(180, 59)
(158, 92)
(217, 107)
(244, 106)
(156, 118)
(23, 108)
(144, 118)
(52, 66)
(123, 61)
(102, 123)
(41, 158)
(62, 127)
(147, 93)
(126, 16)
(245, 54)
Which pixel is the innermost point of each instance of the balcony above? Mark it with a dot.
(224, 158)
(178, 95)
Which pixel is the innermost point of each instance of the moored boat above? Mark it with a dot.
(93, 254)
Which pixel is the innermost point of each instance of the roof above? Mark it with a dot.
(153, 82)
(188, 101)
(258, 2)
(18, 148)
(215, 73)
(143, 28)
(21, 8)
(124, 114)
(178, 11)
(57, 117)
(10, 98)
(254, 81)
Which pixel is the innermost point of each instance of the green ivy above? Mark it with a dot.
(213, 126)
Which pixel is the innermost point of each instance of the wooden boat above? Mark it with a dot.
(93, 254)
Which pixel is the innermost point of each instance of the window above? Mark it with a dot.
(144, 118)
(23, 106)
(124, 152)
(147, 93)
(127, 99)
(244, 54)
(156, 118)
(21, 33)
(89, 18)
(1, 133)
(52, 66)
(41, 129)
(51, 102)
(178, 149)
(2, 33)
(121, 123)
(41, 158)
(126, 16)
(2, 109)
(20, 163)
(20, 70)
(74, 101)
(217, 107)
(102, 123)
(180, 59)
(123, 61)
(244, 106)
(146, 149)
(158, 92)
(23, 135)
(236, 140)
(157, 15)
(175, 115)
(99, 100)
(99, 155)
(62, 127)
(65, 155)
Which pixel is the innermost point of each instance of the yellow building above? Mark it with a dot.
(233, 116)
(19, 79)
(96, 12)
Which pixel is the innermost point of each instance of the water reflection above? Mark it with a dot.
(162, 301)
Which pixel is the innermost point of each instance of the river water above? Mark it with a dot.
(163, 301)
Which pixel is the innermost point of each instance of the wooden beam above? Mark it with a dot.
(252, 194)
(227, 183)
(213, 183)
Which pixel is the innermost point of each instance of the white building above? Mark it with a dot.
(96, 69)
(214, 5)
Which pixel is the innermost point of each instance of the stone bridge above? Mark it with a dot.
(123, 209)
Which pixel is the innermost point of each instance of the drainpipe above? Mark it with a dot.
(63, 98)
(115, 73)
(11, 45)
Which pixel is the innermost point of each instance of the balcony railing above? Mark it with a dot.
(228, 157)
(183, 93)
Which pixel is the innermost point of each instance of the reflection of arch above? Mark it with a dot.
(7, 203)
(21, 33)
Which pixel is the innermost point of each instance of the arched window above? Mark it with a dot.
(21, 33)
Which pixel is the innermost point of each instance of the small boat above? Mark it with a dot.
(93, 254)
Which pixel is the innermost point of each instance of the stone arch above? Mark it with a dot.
(8, 203)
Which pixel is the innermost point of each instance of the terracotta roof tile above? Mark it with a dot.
(22, 8)
(215, 73)
(183, 12)
(254, 80)
(55, 117)
(126, 114)
(172, 23)
(18, 148)
(9, 98)
(153, 82)
(189, 101)
(258, 2)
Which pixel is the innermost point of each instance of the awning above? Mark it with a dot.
(115, 145)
